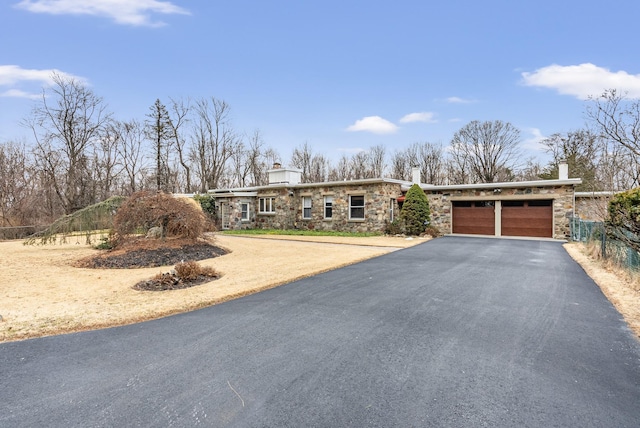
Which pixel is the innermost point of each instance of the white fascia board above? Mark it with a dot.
(351, 182)
(217, 192)
(595, 194)
(507, 185)
(234, 194)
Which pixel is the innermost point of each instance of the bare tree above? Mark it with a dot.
(17, 185)
(377, 164)
(618, 119)
(106, 162)
(315, 167)
(341, 171)
(617, 168)
(131, 137)
(486, 149)
(431, 161)
(251, 162)
(179, 113)
(214, 141)
(402, 161)
(580, 150)
(65, 123)
(359, 165)
(531, 171)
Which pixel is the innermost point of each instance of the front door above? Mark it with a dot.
(224, 215)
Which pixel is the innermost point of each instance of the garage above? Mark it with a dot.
(474, 217)
(527, 218)
(532, 218)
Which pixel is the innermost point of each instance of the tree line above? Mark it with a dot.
(81, 154)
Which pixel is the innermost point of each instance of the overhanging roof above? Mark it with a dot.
(503, 185)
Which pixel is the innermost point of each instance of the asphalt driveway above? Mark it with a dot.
(453, 332)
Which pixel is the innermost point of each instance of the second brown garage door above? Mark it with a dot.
(527, 218)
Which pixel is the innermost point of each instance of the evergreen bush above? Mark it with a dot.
(624, 217)
(415, 212)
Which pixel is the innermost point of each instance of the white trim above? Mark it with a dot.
(304, 207)
(242, 219)
(363, 206)
(324, 207)
(504, 185)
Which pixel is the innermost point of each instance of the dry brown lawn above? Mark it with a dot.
(42, 293)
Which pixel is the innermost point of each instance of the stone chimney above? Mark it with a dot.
(415, 175)
(276, 165)
(563, 170)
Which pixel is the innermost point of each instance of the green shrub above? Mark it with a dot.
(624, 217)
(208, 204)
(415, 211)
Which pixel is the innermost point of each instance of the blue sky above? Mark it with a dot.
(339, 75)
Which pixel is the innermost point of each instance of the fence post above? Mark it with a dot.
(603, 242)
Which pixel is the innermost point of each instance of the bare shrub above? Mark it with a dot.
(192, 270)
(432, 231)
(184, 275)
(176, 217)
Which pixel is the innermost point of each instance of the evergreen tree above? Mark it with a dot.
(158, 129)
(415, 211)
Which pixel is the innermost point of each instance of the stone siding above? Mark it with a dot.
(288, 207)
(562, 196)
(377, 197)
(593, 208)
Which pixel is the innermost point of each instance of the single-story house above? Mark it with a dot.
(532, 208)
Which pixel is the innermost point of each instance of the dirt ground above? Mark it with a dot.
(42, 293)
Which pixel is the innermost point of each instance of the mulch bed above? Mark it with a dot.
(170, 281)
(154, 253)
(164, 255)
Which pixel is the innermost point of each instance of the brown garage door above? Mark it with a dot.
(527, 218)
(477, 218)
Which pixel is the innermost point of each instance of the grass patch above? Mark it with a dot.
(297, 232)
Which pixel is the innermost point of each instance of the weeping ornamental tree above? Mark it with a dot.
(415, 213)
(87, 221)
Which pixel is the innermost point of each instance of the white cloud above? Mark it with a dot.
(17, 93)
(425, 116)
(458, 100)
(128, 12)
(13, 76)
(374, 124)
(533, 142)
(583, 80)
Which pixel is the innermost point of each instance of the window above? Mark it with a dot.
(392, 206)
(328, 206)
(356, 207)
(306, 207)
(267, 205)
(244, 211)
